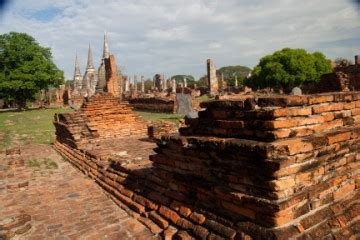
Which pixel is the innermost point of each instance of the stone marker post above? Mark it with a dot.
(142, 84)
(211, 77)
(127, 84)
(135, 84)
(173, 85)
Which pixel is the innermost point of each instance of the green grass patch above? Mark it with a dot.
(36, 126)
(150, 116)
(32, 126)
(45, 163)
(205, 98)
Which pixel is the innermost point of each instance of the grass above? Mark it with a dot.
(160, 116)
(45, 163)
(205, 98)
(33, 126)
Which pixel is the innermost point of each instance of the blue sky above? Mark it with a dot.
(176, 37)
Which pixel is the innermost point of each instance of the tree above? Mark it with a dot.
(287, 68)
(190, 80)
(232, 72)
(148, 84)
(343, 62)
(202, 82)
(25, 68)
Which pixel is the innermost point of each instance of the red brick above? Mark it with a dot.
(339, 137)
(197, 218)
(169, 214)
(158, 220)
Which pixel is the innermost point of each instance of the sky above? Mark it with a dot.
(176, 37)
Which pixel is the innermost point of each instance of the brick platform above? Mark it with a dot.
(269, 168)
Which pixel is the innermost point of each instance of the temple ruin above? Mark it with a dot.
(256, 167)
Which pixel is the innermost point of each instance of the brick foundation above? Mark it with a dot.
(268, 168)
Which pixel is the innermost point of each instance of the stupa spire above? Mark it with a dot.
(106, 52)
(90, 63)
(77, 66)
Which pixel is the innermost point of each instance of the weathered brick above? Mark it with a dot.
(339, 137)
(169, 233)
(169, 214)
(197, 217)
(158, 220)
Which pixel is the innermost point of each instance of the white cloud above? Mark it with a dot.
(174, 37)
(215, 45)
(180, 33)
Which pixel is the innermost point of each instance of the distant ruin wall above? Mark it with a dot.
(153, 104)
(268, 168)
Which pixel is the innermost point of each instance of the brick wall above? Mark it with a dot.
(153, 104)
(275, 167)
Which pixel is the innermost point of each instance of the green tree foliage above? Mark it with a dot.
(25, 68)
(148, 84)
(190, 80)
(202, 82)
(343, 62)
(287, 68)
(232, 72)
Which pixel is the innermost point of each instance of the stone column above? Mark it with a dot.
(173, 86)
(135, 84)
(127, 84)
(236, 82)
(185, 83)
(357, 60)
(163, 85)
(142, 84)
(211, 77)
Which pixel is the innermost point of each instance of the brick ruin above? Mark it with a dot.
(152, 103)
(274, 167)
(102, 117)
(344, 78)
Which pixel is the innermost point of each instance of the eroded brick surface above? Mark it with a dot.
(44, 197)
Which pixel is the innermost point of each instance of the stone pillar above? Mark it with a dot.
(163, 85)
(173, 85)
(185, 83)
(135, 83)
(142, 84)
(236, 82)
(112, 80)
(357, 60)
(127, 84)
(211, 77)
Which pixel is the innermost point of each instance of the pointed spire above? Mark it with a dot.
(90, 63)
(77, 67)
(106, 53)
